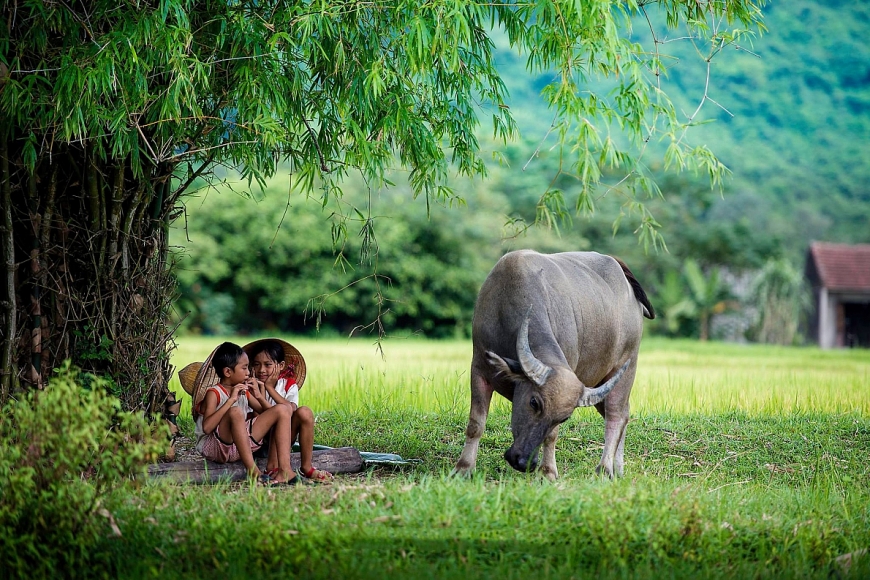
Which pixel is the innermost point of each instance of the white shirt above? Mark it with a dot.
(222, 395)
(289, 392)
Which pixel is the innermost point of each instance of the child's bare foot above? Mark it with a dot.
(285, 478)
(317, 475)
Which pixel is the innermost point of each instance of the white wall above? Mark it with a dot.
(827, 319)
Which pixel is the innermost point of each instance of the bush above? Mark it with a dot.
(61, 450)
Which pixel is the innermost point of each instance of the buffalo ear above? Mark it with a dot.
(505, 366)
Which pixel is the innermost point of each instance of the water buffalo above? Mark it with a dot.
(553, 332)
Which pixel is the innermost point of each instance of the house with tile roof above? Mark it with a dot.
(839, 275)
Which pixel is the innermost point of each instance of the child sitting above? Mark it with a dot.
(272, 364)
(232, 416)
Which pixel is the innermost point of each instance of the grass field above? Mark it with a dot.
(741, 462)
(673, 376)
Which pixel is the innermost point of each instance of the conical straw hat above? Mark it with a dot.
(292, 357)
(187, 376)
(205, 377)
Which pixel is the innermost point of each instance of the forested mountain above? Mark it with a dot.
(789, 115)
(793, 121)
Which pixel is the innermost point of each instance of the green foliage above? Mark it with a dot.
(674, 309)
(782, 297)
(799, 99)
(276, 261)
(62, 450)
(273, 269)
(100, 352)
(708, 295)
(326, 86)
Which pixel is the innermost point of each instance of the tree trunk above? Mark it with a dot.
(9, 302)
(34, 375)
(88, 254)
(705, 326)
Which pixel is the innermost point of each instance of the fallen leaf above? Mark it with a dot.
(106, 514)
(845, 561)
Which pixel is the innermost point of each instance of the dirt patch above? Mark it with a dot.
(185, 449)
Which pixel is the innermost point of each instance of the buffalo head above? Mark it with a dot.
(544, 397)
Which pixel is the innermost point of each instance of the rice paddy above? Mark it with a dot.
(673, 376)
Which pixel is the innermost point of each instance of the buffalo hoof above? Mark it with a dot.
(465, 472)
(549, 472)
(604, 471)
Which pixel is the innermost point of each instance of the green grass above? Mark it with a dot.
(741, 462)
(428, 526)
(673, 376)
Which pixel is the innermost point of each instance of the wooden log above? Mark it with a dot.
(338, 460)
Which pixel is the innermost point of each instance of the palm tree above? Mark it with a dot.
(709, 295)
(780, 294)
(672, 305)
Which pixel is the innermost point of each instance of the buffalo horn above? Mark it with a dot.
(532, 367)
(594, 396)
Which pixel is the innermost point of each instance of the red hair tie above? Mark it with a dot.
(288, 373)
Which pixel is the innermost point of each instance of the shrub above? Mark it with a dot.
(61, 450)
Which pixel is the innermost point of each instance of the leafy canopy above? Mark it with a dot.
(330, 86)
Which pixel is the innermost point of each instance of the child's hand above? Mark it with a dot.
(254, 387)
(238, 390)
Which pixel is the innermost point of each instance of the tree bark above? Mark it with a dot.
(133, 211)
(338, 460)
(70, 219)
(98, 216)
(35, 372)
(7, 372)
(41, 279)
(117, 194)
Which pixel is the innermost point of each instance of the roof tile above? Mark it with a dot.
(842, 266)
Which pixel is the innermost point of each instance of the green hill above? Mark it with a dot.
(793, 123)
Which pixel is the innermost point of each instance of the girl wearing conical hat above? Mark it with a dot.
(232, 416)
(280, 369)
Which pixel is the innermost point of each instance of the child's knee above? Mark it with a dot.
(236, 414)
(282, 410)
(304, 415)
